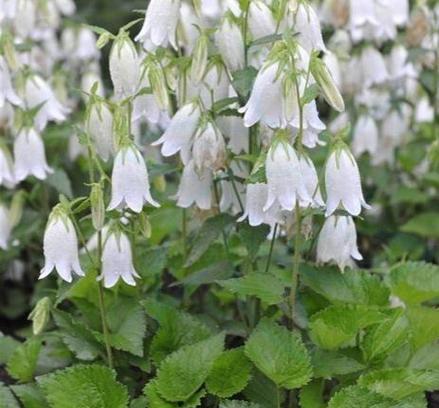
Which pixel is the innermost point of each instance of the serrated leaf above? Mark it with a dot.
(425, 225)
(385, 337)
(77, 337)
(84, 386)
(310, 395)
(262, 391)
(127, 325)
(353, 286)
(400, 383)
(426, 357)
(183, 372)
(154, 398)
(266, 287)
(230, 373)
(7, 399)
(337, 326)
(237, 404)
(280, 354)
(23, 361)
(30, 396)
(424, 324)
(212, 273)
(329, 364)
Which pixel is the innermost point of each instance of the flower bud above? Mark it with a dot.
(97, 206)
(40, 315)
(324, 78)
(200, 58)
(230, 43)
(157, 79)
(16, 211)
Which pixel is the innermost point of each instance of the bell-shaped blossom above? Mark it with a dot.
(117, 260)
(286, 184)
(343, 183)
(230, 43)
(361, 13)
(267, 103)
(60, 247)
(178, 136)
(37, 92)
(208, 150)
(145, 105)
(261, 20)
(7, 177)
(88, 81)
(5, 227)
(129, 181)
(365, 136)
(8, 9)
(233, 128)
(256, 197)
(373, 66)
(195, 188)
(124, 67)
(66, 7)
(160, 25)
(30, 156)
(311, 180)
(7, 92)
(337, 242)
(230, 198)
(100, 129)
(79, 44)
(307, 24)
(25, 18)
(398, 65)
(424, 111)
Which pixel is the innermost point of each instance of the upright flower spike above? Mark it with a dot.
(160, 25)
(100, 128)
(130, 186)
(286, 184)
(117, 260)
(178, 136)
(124, 67)
(343, 183)
(230, 43)
(5, 226)
(337, 242)
(30, 156)
(61, 246)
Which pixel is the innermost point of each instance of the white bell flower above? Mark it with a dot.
(362, 13)
(25, 18)
(5, 227)
(365, 136)
(180, 132)
(256, 197)
(233, 128)
(398, 65)
(129, 181)
(343, 183)
(160, 25)
(100, 129)
(307, 24)
(311, 180)
(145, 105)
(373, 66)
(30, 156)
(208, 150)
(66, 7)
(260, 19)
(210, 9)
(7, 177)
(229, 197)
(7, 92)
(286, 184)
(195, 188)
(124, 67)
(88, 80)
(117, 260)
(424, 111)
(8, 9)
(230, 44)
(60, 246)
(337, 242)
(37, 92)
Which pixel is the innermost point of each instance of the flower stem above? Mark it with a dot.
(296, 261)
(270, 254)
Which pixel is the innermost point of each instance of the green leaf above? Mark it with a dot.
(30, 396)
(329, 364)
(208, 233)
(311, 395)
(253, 237)
(7, 347)
(268, 39)
(212, 273)
(359, 397)
(400, 383)
(424, 324)
(280, 354)
(385, 337)
(127, 325)
(154, 398)
(426, 357)
(337, 326)
(353, 286)
(425, 225)
(237, 404)
(415, 282)
(266, 287)
(60, 182)
(182, 373)
(230, 373)
(84, 386)
(261, 391)
(77, 337)
(23, 361)
(7, 399)
(311, 93)
(243, 81)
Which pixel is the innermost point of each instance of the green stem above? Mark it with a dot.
(270, 254)
(296, 261)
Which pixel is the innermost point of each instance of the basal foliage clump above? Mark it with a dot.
(244, 214)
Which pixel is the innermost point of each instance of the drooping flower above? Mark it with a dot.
(129, 181)
(230, 43)
(100, 128)
(160, 25)
(30, 156)
(6, 167)
(311, 180)
(124, 67)
(261, 20)
(178, 136)
(343, 183)
(117, 260)
(208, 150)
(7, 92)
(337, 242)
(373, 66)
(286, 184)
(307, 24)
(256, 197)
(61, 246)
(365, 136)
(195, 188)
(5, 226)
